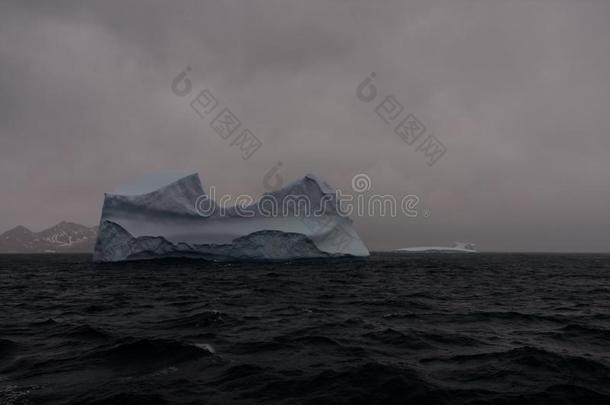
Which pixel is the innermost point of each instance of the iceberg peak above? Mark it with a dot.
(153, 182)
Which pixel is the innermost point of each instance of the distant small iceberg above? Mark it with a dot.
(458, 247)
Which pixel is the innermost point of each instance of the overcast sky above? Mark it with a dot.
(518, 92)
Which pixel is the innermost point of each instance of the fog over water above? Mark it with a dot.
(516, 91)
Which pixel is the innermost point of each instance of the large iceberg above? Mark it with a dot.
(170, 215)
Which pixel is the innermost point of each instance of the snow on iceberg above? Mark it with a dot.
(161, 216)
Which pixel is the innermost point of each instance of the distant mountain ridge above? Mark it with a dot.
(65, 237)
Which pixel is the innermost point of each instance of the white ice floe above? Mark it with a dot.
(458, 247)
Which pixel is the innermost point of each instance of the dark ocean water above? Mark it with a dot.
(434, 329)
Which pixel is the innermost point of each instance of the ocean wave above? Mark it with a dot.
(202, 319)
(482, 329)
(149, 353)
(8, 348)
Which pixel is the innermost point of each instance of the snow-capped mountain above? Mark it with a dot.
(63, 237)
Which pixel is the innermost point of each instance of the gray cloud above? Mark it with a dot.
(516, 90)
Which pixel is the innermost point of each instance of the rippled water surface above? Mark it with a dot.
(391, 329)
